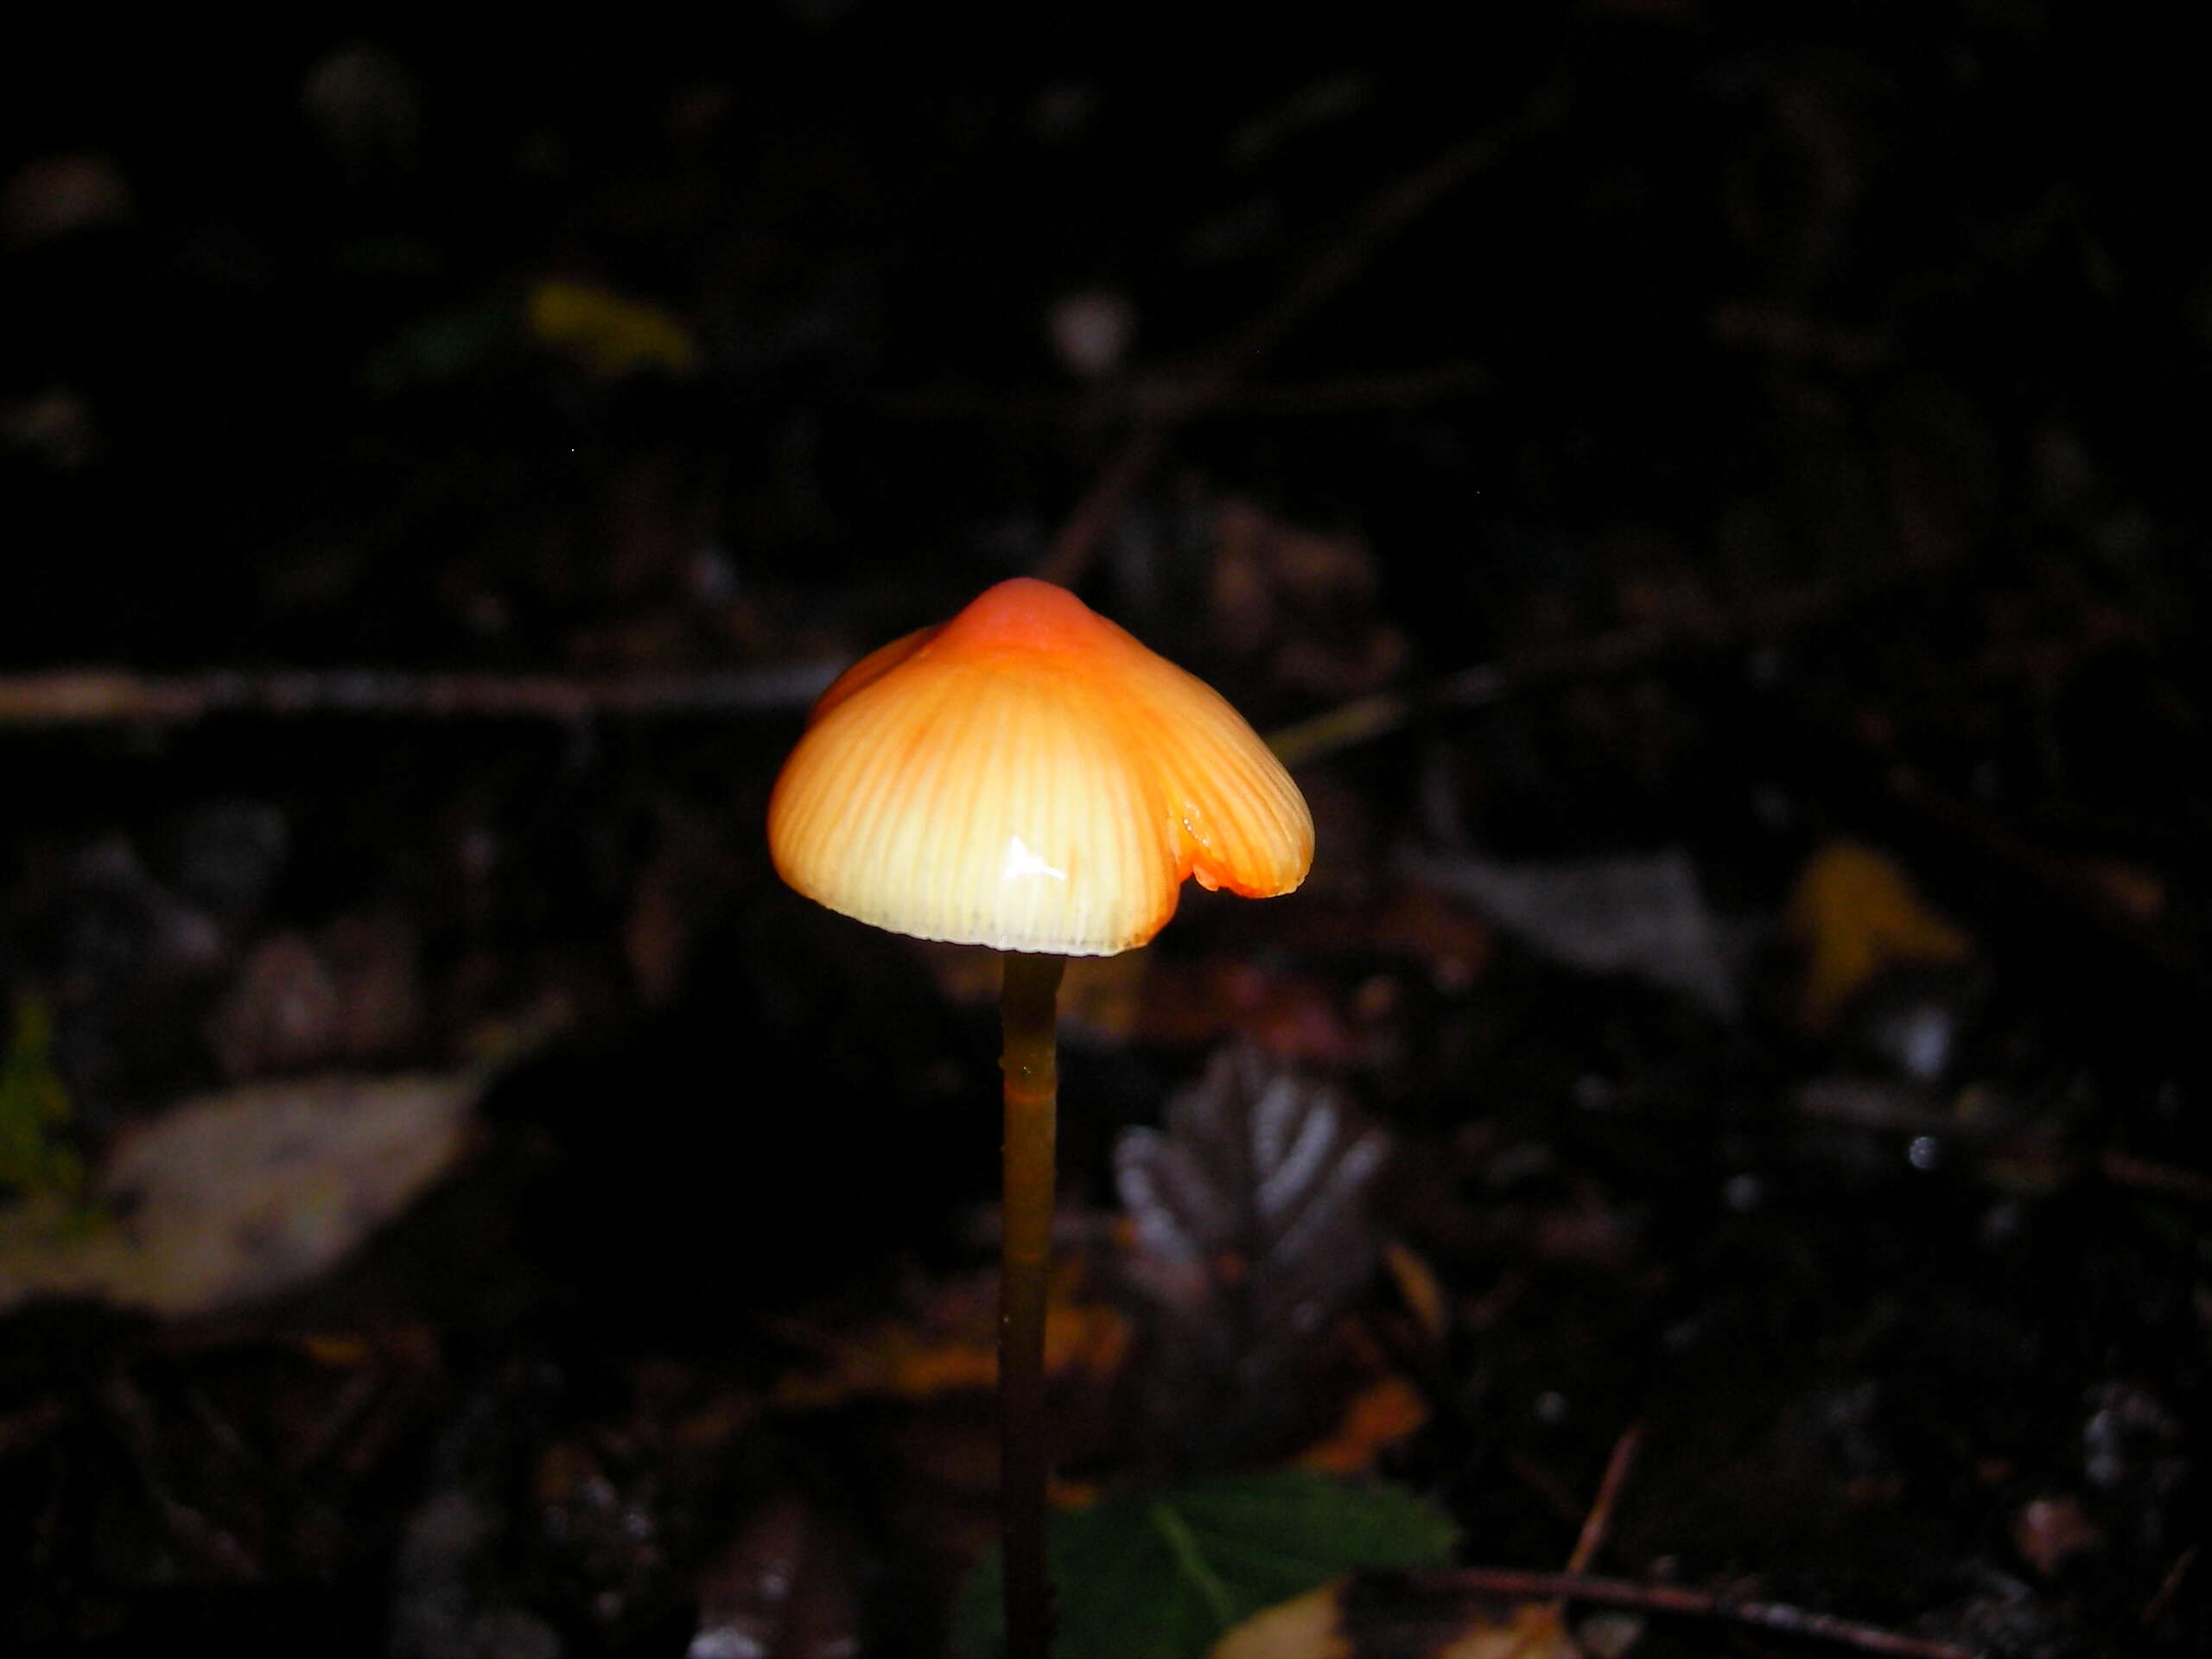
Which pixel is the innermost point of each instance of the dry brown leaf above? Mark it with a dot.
(1193, 1004)
(2050, 1531)
(349, 995)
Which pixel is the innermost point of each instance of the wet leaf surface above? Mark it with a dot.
(1253, 1231)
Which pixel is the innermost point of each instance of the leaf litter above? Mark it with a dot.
(1252, 1234)
(1794, 543)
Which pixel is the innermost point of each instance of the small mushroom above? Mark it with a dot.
(1028, 777)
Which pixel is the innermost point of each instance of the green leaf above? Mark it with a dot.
(33, 1108)
(1162, 1575)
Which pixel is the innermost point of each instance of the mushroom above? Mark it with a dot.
(1029, 778)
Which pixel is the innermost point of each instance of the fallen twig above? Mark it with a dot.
(118, 696)
(1600, 1517)
(2141, 1174)
(1509, 1582)
(1545, 1484)
(1169, 397)
(1756, 622)
(1994, 842)
(2155, 1609)
(1219, 374)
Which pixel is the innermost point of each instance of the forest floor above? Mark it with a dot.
(1712, 1158)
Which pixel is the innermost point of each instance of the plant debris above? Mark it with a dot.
(1709, 505)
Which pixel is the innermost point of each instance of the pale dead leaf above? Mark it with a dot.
(232, 1198)
(1306, 1627)
(1640, 914)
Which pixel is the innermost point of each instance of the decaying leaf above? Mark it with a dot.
(450, 1596)
(1252, 1234)
(58, 196)
(235, 1197)
(1345, 1620)
(1381, 1415)
(1641, 915)
(1854, 914)
(1290, 1014)
(2050, 1531)
(783, 1589)
(952, 1345)
(610, 334)
(1304, 1627)
(1165, 1575)
(280, 1013)
(1533, 1629)
(1420, 1288)
(1303, 598)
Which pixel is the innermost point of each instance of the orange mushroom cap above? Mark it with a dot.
(1028, 777)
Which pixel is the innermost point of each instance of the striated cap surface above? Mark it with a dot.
(1028, 777)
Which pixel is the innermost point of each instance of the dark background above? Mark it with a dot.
(1804, 410)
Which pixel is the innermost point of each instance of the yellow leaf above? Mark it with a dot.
(1855, 914)
(34, 1106)
(610, 334)
(1312, 1626)
(1418, 1287)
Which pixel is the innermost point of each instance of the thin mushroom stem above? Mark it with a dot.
(1027, 1006)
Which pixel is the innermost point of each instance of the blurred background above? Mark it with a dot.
(1709, 500)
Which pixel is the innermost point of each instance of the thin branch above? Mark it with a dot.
(1600, 1519)
(1512, 1583)
(118, 696)
(2141, 1174)
(1545, 1484)
(1217, 377)
(2155, 1609)
(1623, 650)
(2057, 879)
(1174, 398)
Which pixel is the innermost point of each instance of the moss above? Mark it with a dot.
(35, 1112)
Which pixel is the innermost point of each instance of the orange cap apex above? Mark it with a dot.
(1023, 611)
(1029, 776)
